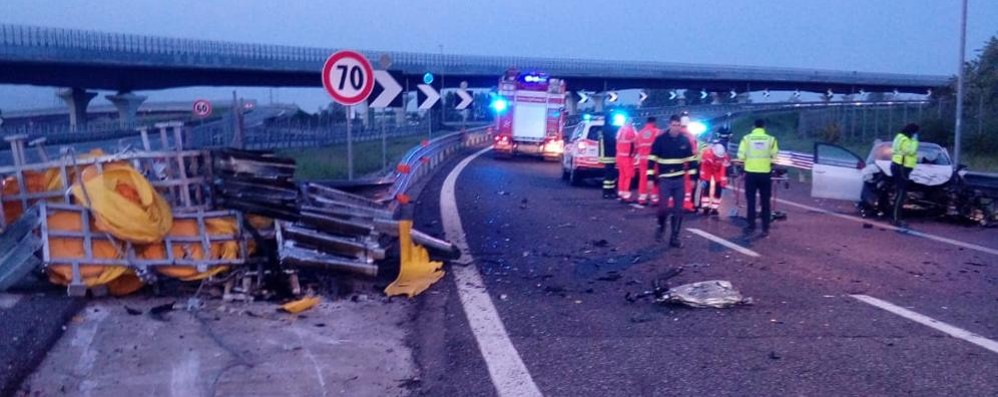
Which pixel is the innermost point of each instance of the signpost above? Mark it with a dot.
(349, 79)
(202, 108)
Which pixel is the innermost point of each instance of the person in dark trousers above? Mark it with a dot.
(758, 150)
(670, 161)
(608, 157)
(904, 157)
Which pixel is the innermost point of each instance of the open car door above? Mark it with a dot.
(837, 173)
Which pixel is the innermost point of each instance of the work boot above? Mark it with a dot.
(674, 242)
(764, 234)
(659, 233)
(706, 211)
(748, 230)
(714, 212)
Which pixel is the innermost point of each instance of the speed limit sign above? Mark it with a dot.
(202, 108)
(348, 77)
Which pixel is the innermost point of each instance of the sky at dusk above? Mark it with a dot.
(915, 36)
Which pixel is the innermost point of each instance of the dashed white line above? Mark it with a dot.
(8, 301)
(950, 330)
(509, 375)
(726, 243)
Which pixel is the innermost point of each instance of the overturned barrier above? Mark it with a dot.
(77, 255)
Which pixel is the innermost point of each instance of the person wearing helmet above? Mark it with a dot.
(714, 162)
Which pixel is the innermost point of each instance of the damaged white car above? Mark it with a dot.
(936, 185)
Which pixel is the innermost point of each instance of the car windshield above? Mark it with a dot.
(927, 154)
(594, 132)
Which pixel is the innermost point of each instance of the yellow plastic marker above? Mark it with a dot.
(416, 272)
(303, 304)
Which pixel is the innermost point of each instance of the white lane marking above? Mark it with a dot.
(933, 237)
(83, 338)
(723, 242)
(950, 330)
(509, 375)
(8, 301)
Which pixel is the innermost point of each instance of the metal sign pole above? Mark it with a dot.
(384, 140)
(349, 113)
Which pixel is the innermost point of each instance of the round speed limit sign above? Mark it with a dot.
(202, 108)
(348, 77)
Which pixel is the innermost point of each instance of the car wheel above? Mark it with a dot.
(574, 178)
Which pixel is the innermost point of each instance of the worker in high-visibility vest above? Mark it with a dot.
(642, 145)
(758, 150)
(904, 157)
(626, 138)
(608, 157)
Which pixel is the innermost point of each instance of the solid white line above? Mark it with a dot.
(931, 323)
(509, 375)
(723, 242)
(975, 247)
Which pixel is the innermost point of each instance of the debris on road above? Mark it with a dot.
(110, 224)
(705, 294)
(303, 304)
(715, 293)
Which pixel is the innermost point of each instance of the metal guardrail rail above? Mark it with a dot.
(421, 160)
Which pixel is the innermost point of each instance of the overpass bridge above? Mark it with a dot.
(125, 62)
(82, 60)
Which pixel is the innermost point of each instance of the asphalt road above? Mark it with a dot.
(30, 323)
(558, 260)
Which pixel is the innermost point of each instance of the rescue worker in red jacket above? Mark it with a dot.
(626, 138)
(714, 162)
(642, 145)
(670, 161)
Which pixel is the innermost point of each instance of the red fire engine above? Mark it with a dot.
(530, 115)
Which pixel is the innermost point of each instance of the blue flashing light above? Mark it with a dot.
(587, 117)
(428, 78)
(618, 119)
(696, 128)
(499, 104)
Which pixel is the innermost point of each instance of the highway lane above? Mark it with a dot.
(559, 288)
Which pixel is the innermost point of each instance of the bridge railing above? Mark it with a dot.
(93, 46)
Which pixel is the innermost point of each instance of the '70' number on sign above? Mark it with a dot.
(348, 77)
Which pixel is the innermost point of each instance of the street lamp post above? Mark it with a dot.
(959, 86)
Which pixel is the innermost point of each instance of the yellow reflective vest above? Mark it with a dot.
(904, 151)
(758, 150)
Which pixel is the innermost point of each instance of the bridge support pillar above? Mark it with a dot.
(127, 104)
(571, 104)
(77, 99)
(400, 117)
(364, 112)
(599, 105)
(745, 97)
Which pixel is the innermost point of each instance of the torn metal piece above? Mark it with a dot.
(715, 293)
(293, 255)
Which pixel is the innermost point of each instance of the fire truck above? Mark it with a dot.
(530, 115)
